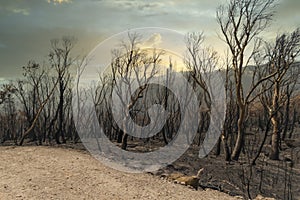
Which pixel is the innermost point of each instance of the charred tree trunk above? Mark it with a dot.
(287, 114)
(274, 155)
(225, 147)
(293, 123)
(240, 135)
(60, 132)
(124, 141)
(218, 147)
(120, 135)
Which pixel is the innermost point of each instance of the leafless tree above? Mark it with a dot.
(60, 58)
(29, 93)
(280, 57)
(40, 107)
(231, 113)
(202, 63)
(129, 63)
(241, 22)
(9, 113)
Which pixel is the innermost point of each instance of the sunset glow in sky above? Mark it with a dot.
(27, 26)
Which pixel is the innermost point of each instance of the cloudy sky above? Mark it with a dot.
(27, 26)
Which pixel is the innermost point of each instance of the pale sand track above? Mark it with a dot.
(57, 173)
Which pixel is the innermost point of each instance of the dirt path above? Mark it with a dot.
(55, 173)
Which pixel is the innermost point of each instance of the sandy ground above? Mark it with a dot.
(56, 173)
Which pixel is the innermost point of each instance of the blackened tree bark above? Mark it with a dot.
(60, 59)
